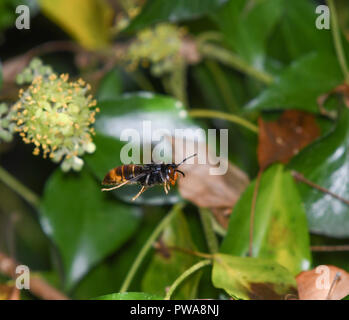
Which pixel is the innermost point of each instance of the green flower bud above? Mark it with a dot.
(35, 69)
(158, 47)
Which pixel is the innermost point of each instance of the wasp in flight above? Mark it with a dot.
(146, 175)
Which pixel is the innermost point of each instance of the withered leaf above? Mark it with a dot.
(323, 283)
(252, 278)
(280, 140)
(216, 192)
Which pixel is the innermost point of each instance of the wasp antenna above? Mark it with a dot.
(187, 158)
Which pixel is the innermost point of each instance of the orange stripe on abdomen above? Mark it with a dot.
(112, 177)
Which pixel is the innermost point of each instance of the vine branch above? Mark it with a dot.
(185, 275)
(202, 113)
(18, 187)
(298, 176)
(226, 57)
(330, 248)
(206, 220)
(141, 255)
(337, 40)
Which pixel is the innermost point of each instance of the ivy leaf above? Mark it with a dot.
(83, 223)
(298, 28)
(300, 84)
(132, 110)
(326, 163)
(163, 10)
(246, 27)
(88, 21)
(129, 296)
(280, 226)
(109, 275)
(252, 278)
(168, 264)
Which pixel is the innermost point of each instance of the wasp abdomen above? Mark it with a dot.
(121, 174)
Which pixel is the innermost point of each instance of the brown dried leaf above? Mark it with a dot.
(280, 140)
(316, 284)
(216, 192)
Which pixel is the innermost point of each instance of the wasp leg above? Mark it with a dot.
(168, 186)
(165, 187)
(139, 193)
(118, 186)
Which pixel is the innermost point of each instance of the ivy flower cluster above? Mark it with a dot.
(157, 47)
(55, 114)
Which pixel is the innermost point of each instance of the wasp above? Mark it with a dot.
(146, 175)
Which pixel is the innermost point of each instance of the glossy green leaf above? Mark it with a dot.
(299, 85)
(129, 296)
(163, 10)
(280, 226)
(109, 275)
(246, 27)
(252, 278)
(110, 86)
(83, 223)
(131, 111)
(167, 265)
(326, 163)
(298, 28)
(99, 281)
